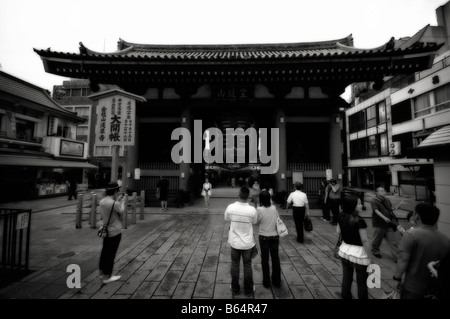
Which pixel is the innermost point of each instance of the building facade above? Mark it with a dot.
(383, 125)
(38, 148)
(238, 90)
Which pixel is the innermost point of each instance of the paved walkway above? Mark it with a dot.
(179, 254)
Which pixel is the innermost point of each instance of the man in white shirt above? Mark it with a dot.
(300, 207)
(241, 216)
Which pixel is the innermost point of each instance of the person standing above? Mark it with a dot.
(300, 209)
(323, 204)
(206, 192)
(241, 216)
(417, 248)
(162, 190)
(354, 249)
(268, 239)
(255, 193)
(333, 199)
(111, 209)
(72, 188)
(384, 223)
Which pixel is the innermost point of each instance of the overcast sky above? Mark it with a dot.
(62, 24)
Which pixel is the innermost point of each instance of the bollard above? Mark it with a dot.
(93, 216)
(79, 213)
(133, 212)
(125, 214)
(142, 204)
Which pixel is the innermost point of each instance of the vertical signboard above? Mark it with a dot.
(115, 121)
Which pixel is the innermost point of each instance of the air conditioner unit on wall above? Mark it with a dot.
(395, 148)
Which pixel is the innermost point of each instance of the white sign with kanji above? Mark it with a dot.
(22, 220)
(115, 121)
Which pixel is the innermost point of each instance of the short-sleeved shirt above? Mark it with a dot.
(241, 216)
(383, 205)
(350, 224)
(297, 198)
(423, 244)
(267, 220)
(115, 223)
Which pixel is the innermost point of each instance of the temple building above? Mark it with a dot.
(290, 90)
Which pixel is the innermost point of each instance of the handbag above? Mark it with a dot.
(308, 223)
(103, 231)
(281, 227)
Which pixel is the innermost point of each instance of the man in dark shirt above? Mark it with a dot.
(417, 248)
(384, 223)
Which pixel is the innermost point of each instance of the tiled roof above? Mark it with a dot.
(241, 52)
(25, 90)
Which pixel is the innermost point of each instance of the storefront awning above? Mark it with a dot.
(42, 162)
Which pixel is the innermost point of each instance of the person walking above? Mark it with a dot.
(111, 209)
(268, 239)
(384, 223)
(354, 249)
(241, 216)
(162, 191)
(206, 192)
(300, 209)
(417, 248)
(333, 198)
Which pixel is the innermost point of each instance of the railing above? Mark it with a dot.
(161, 166)
(23, 138)
(308, 166)
(132, 204)
(15, 241)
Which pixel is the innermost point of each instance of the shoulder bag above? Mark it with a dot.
(281, 227)
(103, 231)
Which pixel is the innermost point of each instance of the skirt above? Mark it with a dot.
(353, 253)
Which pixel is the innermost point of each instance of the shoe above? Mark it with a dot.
(276, 284)
(334, 224)
(267, 285)
(111, 279)
(378, 255)
(251, 293)
(235, 292)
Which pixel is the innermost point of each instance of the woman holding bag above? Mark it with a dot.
(111, 209)
(354, 249)
(268, 239)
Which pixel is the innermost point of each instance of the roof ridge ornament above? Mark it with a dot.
(83, 49)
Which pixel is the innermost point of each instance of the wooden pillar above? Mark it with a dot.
(281, 175)
(335, 145)
(114, 163)
(186, 122)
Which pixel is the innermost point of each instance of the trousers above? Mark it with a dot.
(108, 254)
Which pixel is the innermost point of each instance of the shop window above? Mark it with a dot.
(382, 112)
(357, 122)
(442, 97)
(401, 112)
(371, 115)
(384, 147)
(358, 148)
(24, 129)
(76, 92)
(422, 105)
(373, 145)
